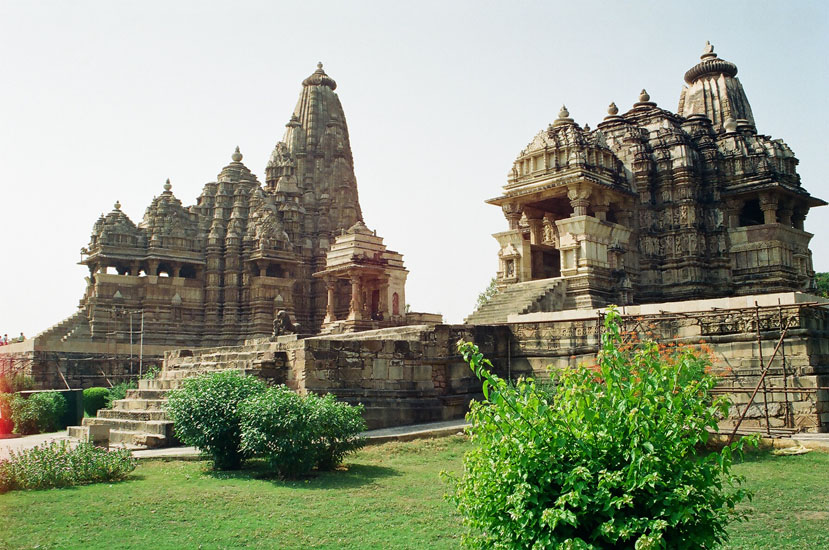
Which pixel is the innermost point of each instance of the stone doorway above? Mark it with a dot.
(546, 262)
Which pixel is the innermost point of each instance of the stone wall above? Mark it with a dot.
(797, 371)
(402, 375)
(408, 375)
(62, 365)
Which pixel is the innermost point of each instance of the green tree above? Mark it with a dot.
(822, 284)
(485, 296)
(605, 457)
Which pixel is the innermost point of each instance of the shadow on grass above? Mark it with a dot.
(353, 475)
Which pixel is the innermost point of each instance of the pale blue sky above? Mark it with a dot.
(105, 100)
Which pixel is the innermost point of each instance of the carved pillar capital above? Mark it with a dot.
(513, 214)
(578, 193)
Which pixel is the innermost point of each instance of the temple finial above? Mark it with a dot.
(167, 186)
(117, 205)
(563, 113)
(237, 155)
(708, 51)
(644, 96)
(612, 109)
(319, 65)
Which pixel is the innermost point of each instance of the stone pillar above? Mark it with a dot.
(578, 194)
(768, 204)
(534, 219)
(355, 307)
(330, 314)
(513, 215)
(785, 213)
(799, 216)
(152, 267)
(601, 205)
(732, 212)
(383, 305)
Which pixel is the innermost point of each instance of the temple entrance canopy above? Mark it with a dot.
(567, 207)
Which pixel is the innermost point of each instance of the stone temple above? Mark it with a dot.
(653, 206)
(218, 272)
(691, 221)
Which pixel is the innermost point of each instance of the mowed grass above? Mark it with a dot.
(390, 497)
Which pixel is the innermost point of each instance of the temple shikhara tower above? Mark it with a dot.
(653, 206)
(218, 272)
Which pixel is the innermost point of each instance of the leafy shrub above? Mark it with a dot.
(13, 383)
(119, 391)
(605, 458)
(57, 464)
(40, 412)
(6, 422)
(94, 399)
(151, 373)
(279, 425)
(297, 433)
(205, 413)
(338, 430)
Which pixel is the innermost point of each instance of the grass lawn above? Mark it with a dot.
(390, 497)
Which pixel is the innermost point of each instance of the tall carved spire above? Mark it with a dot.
(715, 91)
(316, 136)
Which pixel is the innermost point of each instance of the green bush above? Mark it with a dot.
(119, 391)
(339, 425)
(13, 383)
(298, 433)
(94, 399)
(151, 373)
(39, 413)
(57, 464)
(279, 426)
(6, 422)
(205, 413)
(604, 458)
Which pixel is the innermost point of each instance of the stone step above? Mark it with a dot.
(146, 394)
(517, 298)
(160, 427)
(78, 432)
(143, 439)
(159, 384)
(90, 434)
(133, 414)
(140, 404)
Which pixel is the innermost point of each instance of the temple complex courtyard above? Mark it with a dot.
(580, 243)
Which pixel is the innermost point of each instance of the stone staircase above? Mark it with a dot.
(520, 298)
(140, 420)
(76, 323)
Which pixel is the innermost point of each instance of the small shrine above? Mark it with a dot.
(365, 282)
